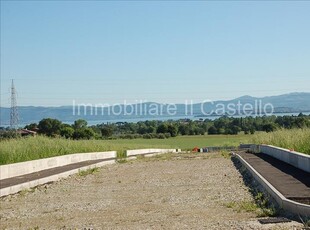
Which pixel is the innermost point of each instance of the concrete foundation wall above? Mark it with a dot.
(298, 160)
(254, 148)
(288, 205)
(34, 183)
(150, 151)
(18, 169)
(245, 146)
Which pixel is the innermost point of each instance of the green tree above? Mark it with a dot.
(200, 131)
(50, 127)
(32, 126)
(212, 130)
(107, 131)
(162, 128)
(184, 129)
(67, 131)
(172, 129)
(79, 124)
(270, 127)
(142, 128)
(83, 133)
(234, 130)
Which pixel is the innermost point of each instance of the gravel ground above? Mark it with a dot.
(171, 191)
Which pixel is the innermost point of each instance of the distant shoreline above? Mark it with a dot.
(162, 118)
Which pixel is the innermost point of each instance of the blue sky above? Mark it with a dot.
(107, 52)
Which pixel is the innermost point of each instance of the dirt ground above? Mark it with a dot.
(171, 191)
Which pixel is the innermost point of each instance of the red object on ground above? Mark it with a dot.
(195, 149)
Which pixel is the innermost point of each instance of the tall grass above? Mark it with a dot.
(296, 139)
(32, 148)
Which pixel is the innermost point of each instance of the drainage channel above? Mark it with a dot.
(291, 182)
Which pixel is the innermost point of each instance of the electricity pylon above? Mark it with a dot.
(14, 113)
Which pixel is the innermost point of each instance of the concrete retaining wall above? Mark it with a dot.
(34, 183)
(254, 148)
(298, 160)
(18, 169)
(137, 152)
(245, 146)
(289, 205)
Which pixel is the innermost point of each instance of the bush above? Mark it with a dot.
(9, 134)
(84, 133)
(67, 132)
(147, 136)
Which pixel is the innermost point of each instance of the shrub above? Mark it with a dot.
(147, 136)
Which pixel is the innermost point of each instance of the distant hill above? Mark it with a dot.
(287, 103)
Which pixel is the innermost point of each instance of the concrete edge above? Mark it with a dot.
(288, 150)
(136, 152)
(27, 167)
(297, 159)
(17, 188)
(134, 156)
(286, 204)
(151, 154)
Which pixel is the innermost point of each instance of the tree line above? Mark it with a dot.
(165, 129)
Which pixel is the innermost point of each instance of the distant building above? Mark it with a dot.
(26, 132)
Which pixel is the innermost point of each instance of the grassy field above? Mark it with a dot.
(297, 139)
(24, 149)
